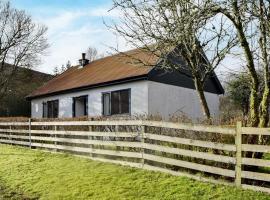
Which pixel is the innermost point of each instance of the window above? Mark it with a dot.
(106, 104)
(116, 102)
(50, 109)
(80, 106)
(45, 110)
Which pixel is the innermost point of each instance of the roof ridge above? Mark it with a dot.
(113, 55)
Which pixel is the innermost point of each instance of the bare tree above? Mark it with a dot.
(56, 71)
(22, 42)
(93, 54)
(251, 21)
(177, 29)
(263, 14)
(62, 69)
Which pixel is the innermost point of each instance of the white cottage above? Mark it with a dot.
(118, 85)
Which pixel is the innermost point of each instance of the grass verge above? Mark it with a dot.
(42, 175)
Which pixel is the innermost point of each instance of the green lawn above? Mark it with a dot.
(32, 174)
(7, 194)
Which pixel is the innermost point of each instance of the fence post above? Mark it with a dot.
(29, 128)
(142, 143)
(238, 144)
(90, 138)
(55, 137)
(10, 140)
(117, 131)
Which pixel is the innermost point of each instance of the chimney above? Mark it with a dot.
(83, 61)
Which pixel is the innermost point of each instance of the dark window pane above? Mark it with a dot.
(86, 105)
(124, 101)
(45, 110)
(53, 109)
(115, 103)
(73, 107)
(50, 109)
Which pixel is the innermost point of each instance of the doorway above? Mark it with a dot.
(80, 106)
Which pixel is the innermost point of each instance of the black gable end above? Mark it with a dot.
(183, 79)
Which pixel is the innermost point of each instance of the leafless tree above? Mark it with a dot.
(172, 29)
(251, 20)
(22, 42)
(62, 69)
(93, 54)
(262, 8)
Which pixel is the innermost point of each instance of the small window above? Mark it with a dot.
(50, 109)
(116, 102)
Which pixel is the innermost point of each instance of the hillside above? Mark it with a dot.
(23, 83)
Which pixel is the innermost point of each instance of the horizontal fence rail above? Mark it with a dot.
(207, 153)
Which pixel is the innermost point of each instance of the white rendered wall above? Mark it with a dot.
(168, 100)
(139, 100)
(147, 97)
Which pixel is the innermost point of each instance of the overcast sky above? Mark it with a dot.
(73, 25)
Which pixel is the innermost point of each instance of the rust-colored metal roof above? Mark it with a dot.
(108, 69)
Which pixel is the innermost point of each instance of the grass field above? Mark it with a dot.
(31, 174)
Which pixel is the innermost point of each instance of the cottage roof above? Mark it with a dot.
(124, 67)
(110, 69)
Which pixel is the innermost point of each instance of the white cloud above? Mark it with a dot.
(59, 22)
(71, 32)
(66, 18)
(104, 12)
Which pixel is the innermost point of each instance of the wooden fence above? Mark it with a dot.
(206, 153)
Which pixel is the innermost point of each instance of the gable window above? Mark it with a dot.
(51, 109)
(80, 106)
(116, 102)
